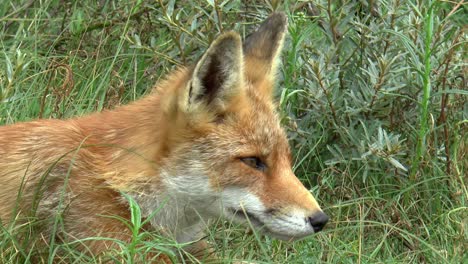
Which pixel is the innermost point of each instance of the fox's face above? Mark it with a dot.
(230, 157)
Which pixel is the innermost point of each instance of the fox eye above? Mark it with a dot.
(255, 162)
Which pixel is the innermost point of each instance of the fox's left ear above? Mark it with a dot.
(262, 48)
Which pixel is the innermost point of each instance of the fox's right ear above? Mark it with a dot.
(217, 76)
(263, 47)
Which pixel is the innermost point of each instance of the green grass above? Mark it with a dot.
(374, 100)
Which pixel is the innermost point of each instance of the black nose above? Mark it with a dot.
(318, 221)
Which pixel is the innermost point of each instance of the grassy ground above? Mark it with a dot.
(374, 100)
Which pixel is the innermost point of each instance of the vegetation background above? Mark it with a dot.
(373, 97)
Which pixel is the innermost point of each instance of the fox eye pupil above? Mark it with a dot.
(255, 163)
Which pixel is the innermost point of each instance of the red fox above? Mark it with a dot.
(207, 143)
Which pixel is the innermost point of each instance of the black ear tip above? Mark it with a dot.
(280, 16)
(277, 20)
(266, 42)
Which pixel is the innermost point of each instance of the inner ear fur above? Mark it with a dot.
(262, 48)
(217, 76)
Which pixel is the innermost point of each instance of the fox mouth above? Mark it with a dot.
(250, 217)
(259, 224)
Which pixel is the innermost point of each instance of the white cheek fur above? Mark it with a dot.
(283, 224)
(241, 198)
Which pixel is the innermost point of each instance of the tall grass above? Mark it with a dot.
(373, 98)
(426, 76)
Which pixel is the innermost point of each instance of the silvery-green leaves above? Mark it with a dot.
(16, 62)
(387, 147)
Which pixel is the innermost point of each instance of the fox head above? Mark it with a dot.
(227, 154)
